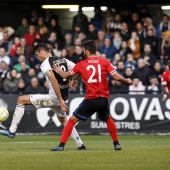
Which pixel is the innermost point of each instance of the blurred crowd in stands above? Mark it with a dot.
(136, 43)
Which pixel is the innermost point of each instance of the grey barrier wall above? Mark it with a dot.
(131, 113)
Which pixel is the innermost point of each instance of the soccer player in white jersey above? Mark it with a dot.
(56, 99)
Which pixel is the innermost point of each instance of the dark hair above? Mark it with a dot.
(90, 45)
(41, 46)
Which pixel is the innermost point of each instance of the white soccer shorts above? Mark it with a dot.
(45, 101)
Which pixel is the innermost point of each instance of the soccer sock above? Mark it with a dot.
(18, 114)
(75, 136)
(112, 129)
(67, 131)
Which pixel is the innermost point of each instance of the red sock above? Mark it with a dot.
(67, 131)
(112, 128)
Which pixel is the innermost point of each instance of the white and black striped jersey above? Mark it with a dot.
(65, 65)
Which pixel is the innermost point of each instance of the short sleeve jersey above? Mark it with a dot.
(94, 72)
(65, 65)
(166, 79)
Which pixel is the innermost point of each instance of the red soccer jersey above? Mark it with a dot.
(166, 79)
(94, 72)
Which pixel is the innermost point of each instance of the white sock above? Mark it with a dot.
(75, 136)
(18, 114)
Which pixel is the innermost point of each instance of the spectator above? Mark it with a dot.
(4, 68)
(6, 43)
(135, 19)
(82, 36)
(149, 61)
(124, 50)
(23, 28)
(14, 59)
(152, 41)
(117, 24)
(120, 67)
(43, 32)
(92, 32)
(56, 50)
(117, 40)
(31, 74)
(117, 57)
(64, 54)
(78, 55)
(142, 72)
(80, 19)
(134, 45)
(68, 44)
(100, 39)
(40, 23)
(31, 35)
(148, 51)
(21, 87)
(137, 87)
(129, 73)
(21, 60)
(108, 48)
(9, 30)
(154, 86)
(148, 24)
(130, 62)
(34, 87)
(157, 71)
(11, 82)
(108, 20)
(3, 57)
(54, 27)
(125, 33)
(163, 26)
(97, 20)
(34, 17)
(14, 46)
(48, 15)
(141, 31)
(76, 31)
(53, 38)
(164, 45)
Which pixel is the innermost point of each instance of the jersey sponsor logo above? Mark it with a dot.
(63, 86)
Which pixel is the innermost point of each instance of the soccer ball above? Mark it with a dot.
(4, 114)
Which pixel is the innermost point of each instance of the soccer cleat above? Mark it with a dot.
(117, 147)
(7, 133)
(82, 147)
(57, 148)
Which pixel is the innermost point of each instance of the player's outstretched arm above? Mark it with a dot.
(120, 78)
(59, 71)
(56, 88)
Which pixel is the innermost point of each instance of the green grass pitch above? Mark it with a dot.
(33, 153)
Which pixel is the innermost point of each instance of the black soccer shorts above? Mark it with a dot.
(88, 107)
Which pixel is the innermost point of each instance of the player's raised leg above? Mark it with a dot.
(18, 114)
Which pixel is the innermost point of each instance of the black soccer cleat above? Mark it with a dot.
(117, 147)
(57, 148)
(82, 147)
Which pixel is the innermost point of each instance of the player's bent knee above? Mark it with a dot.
(62, 120)
(23, 100)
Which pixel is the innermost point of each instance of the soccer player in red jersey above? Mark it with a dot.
(165, 82)
(94, 72)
